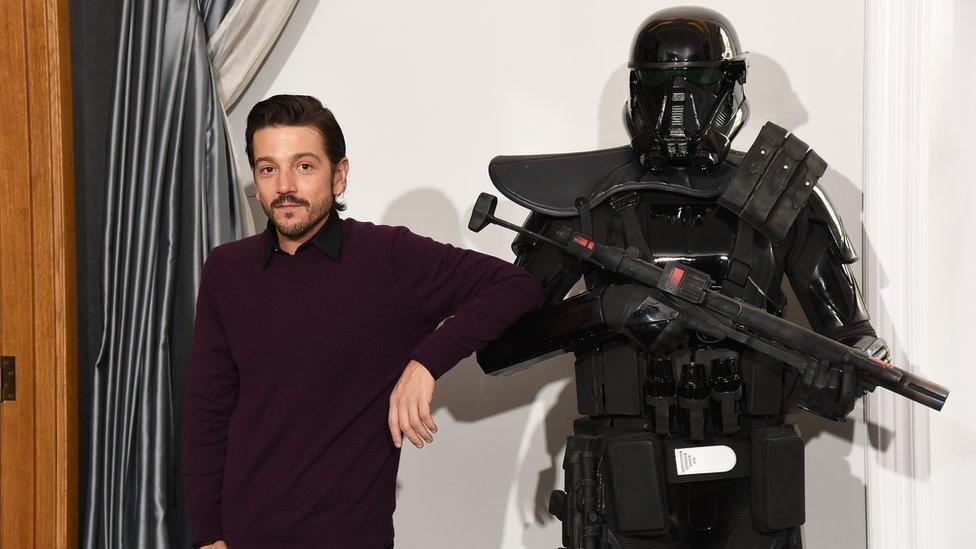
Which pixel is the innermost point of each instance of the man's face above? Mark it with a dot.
(295, 180)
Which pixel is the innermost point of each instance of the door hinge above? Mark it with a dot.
(8, 378)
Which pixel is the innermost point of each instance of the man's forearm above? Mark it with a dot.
(480, 320)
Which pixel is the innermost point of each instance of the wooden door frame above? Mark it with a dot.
(38, 430)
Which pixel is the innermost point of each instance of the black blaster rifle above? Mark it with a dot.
(718, 316)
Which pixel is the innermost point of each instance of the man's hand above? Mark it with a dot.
(219, 544)
(410, 406)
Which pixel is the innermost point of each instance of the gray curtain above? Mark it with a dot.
(170, 197)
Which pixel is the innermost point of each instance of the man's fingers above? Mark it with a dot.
(410, 405)
(426, 417)
(394, 423)
(407, 428)
(418, 425)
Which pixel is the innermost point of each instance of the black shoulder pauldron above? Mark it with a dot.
(551, 183)
(773, 182)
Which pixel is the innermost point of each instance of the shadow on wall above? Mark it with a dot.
(771, 97)
(466, 392)
(470, 396)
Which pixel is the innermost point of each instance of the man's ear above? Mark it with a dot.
(339, 177)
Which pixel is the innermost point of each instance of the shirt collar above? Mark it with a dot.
(328, 239)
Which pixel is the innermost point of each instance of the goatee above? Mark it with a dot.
(301, 227)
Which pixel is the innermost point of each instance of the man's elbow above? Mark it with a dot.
(531, 290)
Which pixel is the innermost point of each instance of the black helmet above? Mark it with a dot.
(686, 97)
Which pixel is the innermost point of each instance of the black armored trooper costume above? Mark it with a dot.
(683, 441)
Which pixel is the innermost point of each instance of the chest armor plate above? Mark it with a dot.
(699, 235)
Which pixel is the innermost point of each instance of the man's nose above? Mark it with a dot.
(286, 183)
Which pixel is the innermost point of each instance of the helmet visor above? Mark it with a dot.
(702, 76)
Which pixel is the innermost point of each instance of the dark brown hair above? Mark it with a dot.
(297, 110)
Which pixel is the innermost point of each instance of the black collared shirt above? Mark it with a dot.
(328, 239)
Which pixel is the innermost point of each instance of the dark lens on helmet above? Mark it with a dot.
(652, 78)
(703, 76)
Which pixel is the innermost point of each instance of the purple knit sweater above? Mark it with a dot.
(290, 374)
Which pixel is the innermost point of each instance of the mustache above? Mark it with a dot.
(288, 200)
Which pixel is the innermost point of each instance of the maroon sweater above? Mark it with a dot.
(290, 374)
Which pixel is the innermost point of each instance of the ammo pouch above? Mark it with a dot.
(773, 182)
(641, 466)
(638, 485)
(777, 478)
(641, 472)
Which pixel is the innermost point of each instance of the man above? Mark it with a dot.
(317, 342)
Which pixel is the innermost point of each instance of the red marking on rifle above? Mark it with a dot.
(883, 363)
(583, 241)
(676, 275)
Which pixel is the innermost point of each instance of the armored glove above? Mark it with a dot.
(673, 336)
(651, 324)
(832, 392)
(829, 391)
(875, 347)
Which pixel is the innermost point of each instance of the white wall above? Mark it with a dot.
(951, 266)
(919, 239)
(427, 92)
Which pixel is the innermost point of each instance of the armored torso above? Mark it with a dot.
(655, 415)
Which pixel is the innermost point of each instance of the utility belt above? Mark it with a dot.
(687, 393)
(703, 427)
(623, 484)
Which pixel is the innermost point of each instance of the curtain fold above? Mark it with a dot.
(170, 197)
(243, 41)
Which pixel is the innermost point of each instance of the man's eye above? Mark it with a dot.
(305, 166)
(267, 169)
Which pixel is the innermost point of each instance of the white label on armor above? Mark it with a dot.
(704, 459)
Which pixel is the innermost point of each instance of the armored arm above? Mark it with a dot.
(556, 272)
(819, 267)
